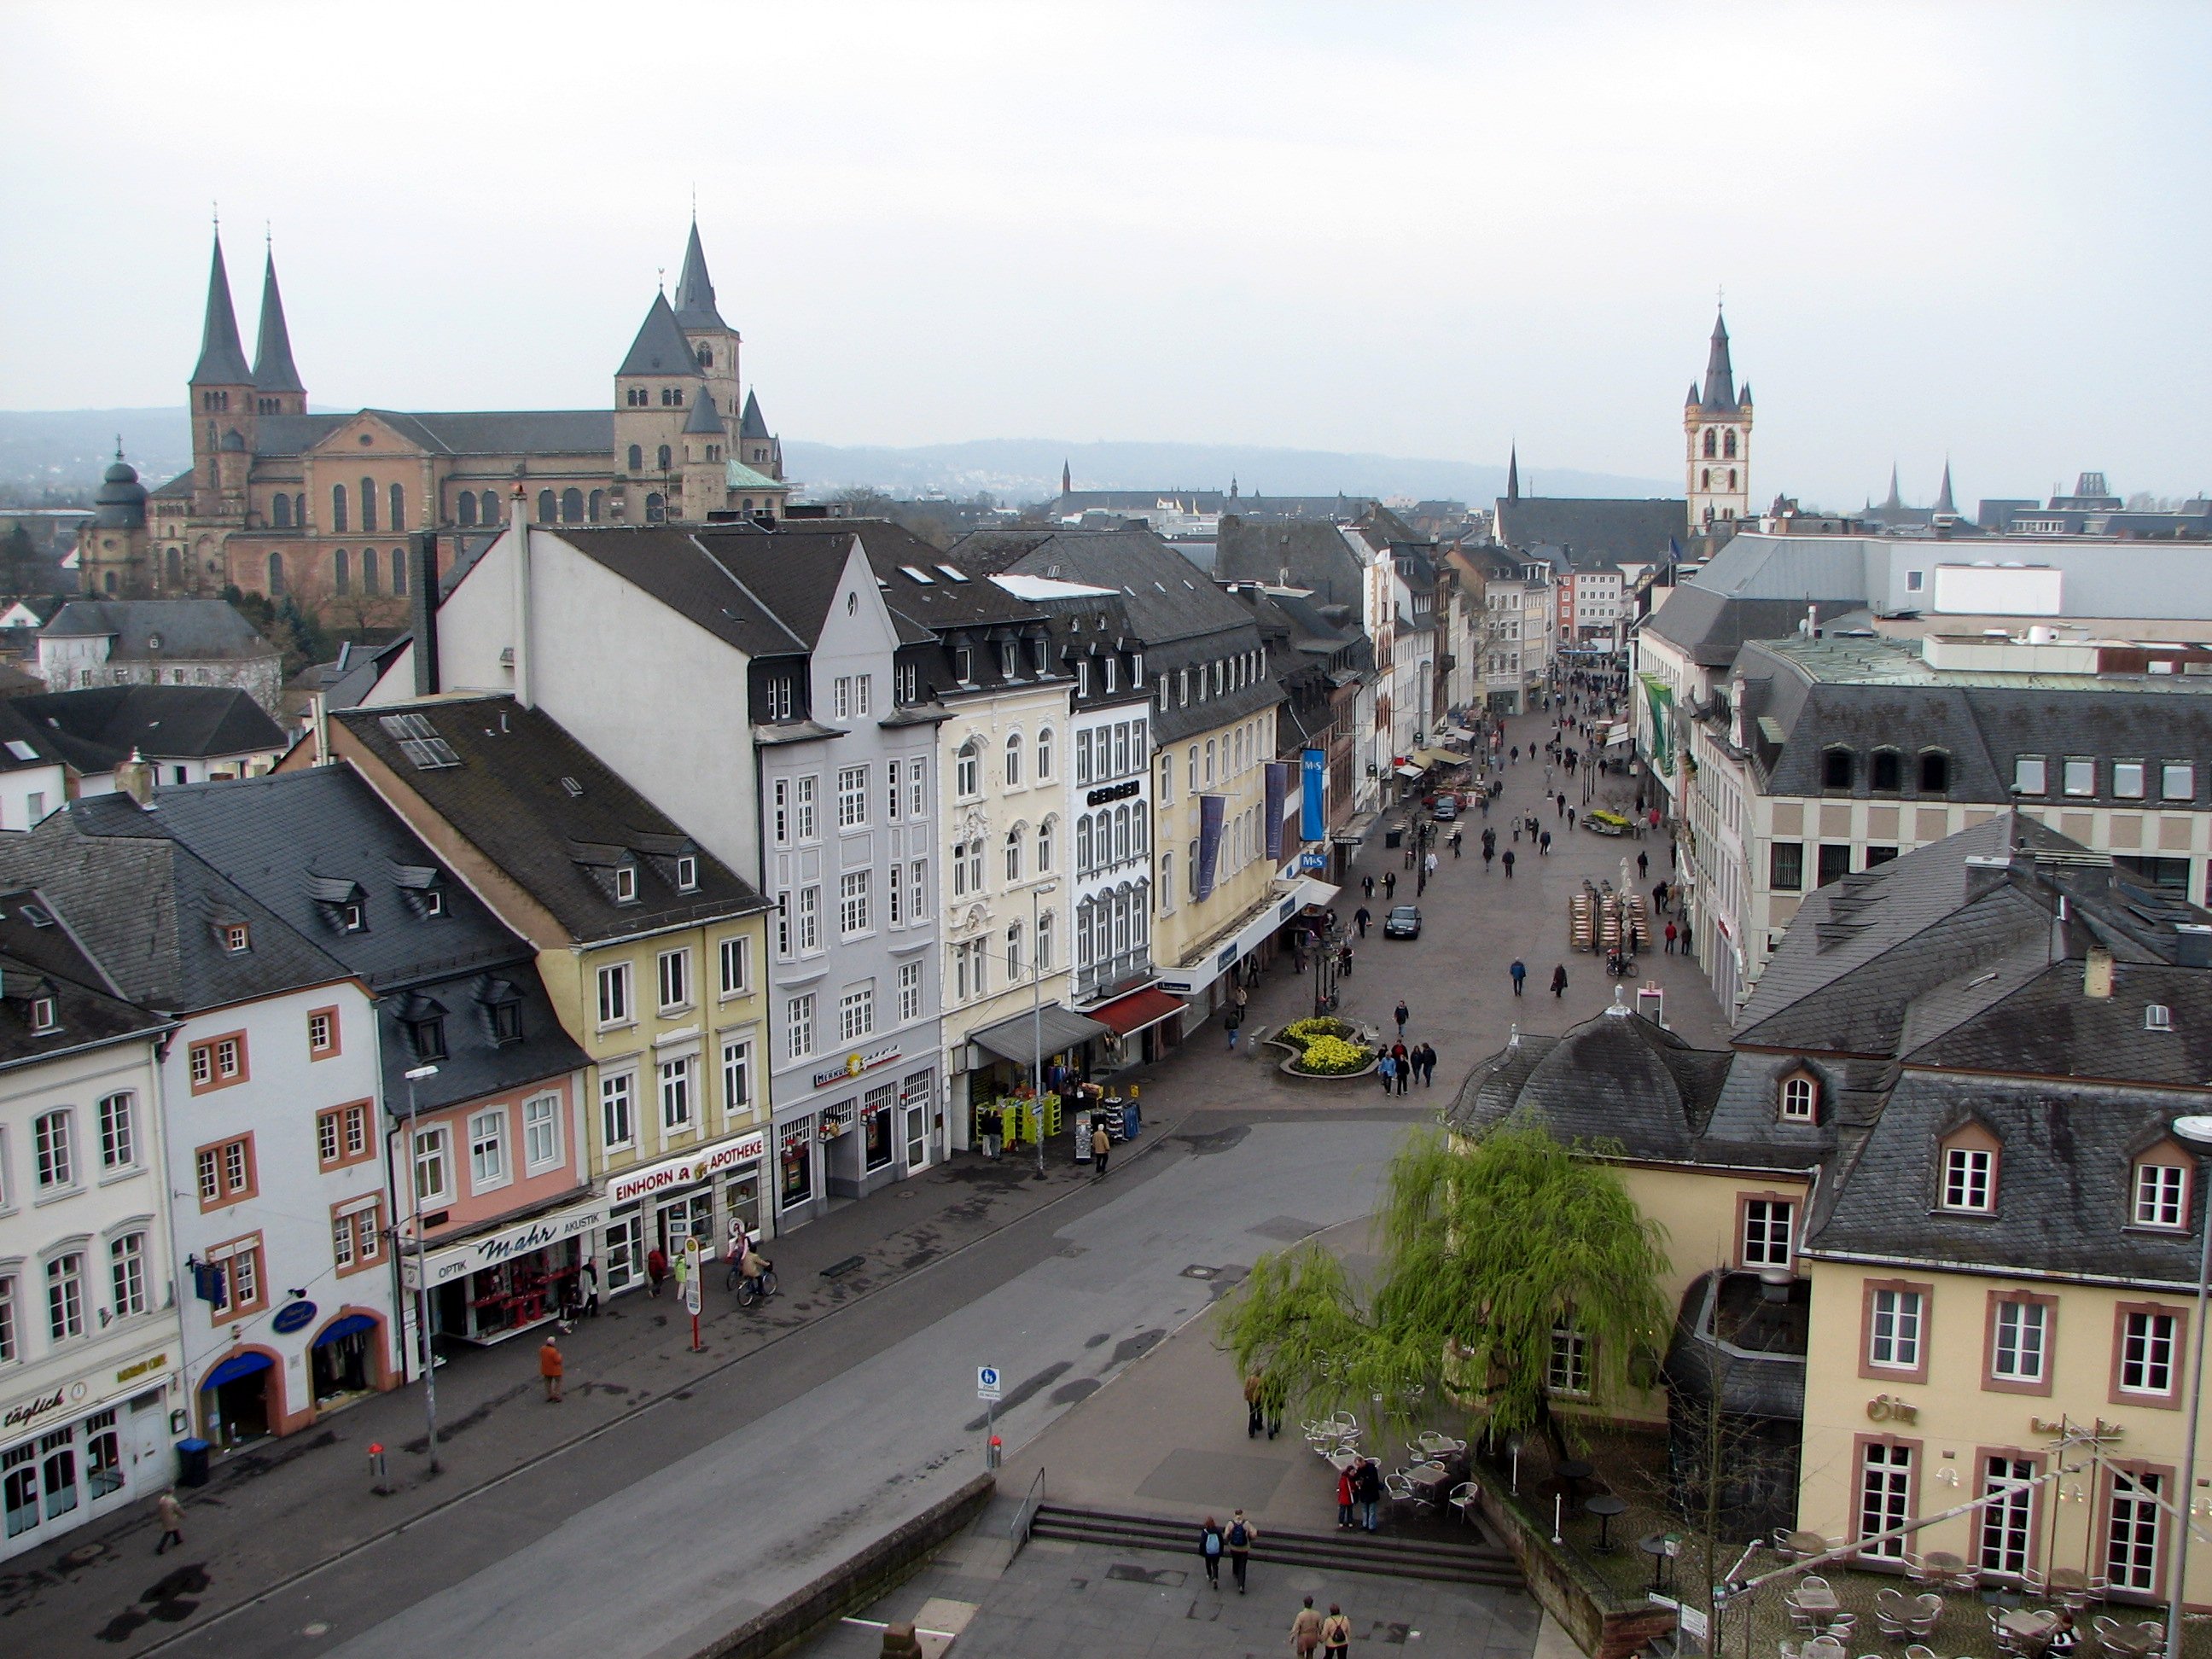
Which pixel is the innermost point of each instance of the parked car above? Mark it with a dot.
(1403, 922)
(1447, 807)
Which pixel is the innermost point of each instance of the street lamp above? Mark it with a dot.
(1036, 1016)
(2195, 1133)
(421, 1274)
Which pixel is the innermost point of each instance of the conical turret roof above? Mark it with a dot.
(222, 360)
(273, 369)
(1719, 395)
(750, 424)
(695, 290)
(660, 347)
(702, 419)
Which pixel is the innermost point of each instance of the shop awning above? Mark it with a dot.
(352, 1325)
(1133, 1013)
(1437, 758)
(1410, 771)
(238, 1365)
(1018, 1038)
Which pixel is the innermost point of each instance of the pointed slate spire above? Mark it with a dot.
(1720, 375)
(750, 423)
(1691, 400)
(1895, 499)
(695, 290)
(1067, 480)
(703, 420)
(1513, 474)
(1945, 507)
(660, 347)
(222, 360)
(273, 370)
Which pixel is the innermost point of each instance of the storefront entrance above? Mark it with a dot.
(345, 1359)
(625, 1262)
(794, 1182)
(234, 1404)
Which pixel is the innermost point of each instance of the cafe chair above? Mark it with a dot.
(1893, 1613)
(1916, 1652)
(1462, 1501)
(1927, 1613)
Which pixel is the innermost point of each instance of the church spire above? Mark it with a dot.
(1719, 396)
(1895, 499)
(222, 360)
(1067, 480)
(1945, 507)
(695, 290)
(273, 370)
(1513, 474)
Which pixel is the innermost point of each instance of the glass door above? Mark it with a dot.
(625, 1249)
(917, 1137)
(2131, 1537)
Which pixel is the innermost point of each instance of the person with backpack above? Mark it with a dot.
(1209, 1550)
(1336, 1634)
(1241, 1533)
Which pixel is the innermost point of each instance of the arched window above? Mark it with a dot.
(664, 458)
(1121, 834)
(1044, 754)
(468, 505)
(636, 458)
(572, 505)
(276, 572)
(1014, 951)
(1044, 845)
(111, 588)
(1140, 910)
(368, 503)
(1121, 922)
(176, 564)
(339, 508)
(1731, 477)
(341, 572)
(1013, 760)
(1710, 440)
(1083, 845)
(1705, 478)
(1138, 837)
(299, 509)
(281, 511)
(368, 570)
(1886, 776)
(1167, 877)
(1836, 769)
(1014, 853)
(398, 571)
(1728, 447)
(1935, 772)
(655, 508)
(1044, 942)
(705, 356)
(490, 506)
(1800, 1098)
(546, 506)
(592, 506)
(398, 496)
(1082, 957)
(967, 773)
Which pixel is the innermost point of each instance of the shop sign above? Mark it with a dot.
(633, 1184)
(797, 1134)
(82, 1394)
(1121, 791)
(479, 1253)
(291, 1317)
(856, 1063)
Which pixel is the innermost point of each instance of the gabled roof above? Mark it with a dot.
(695, 290)
(452, 432)
(548, 814)
(40, 956)
(97, 729)
(167, 629)
(1617, 1077)
(1166, 597)
(660, 347)
(273, 370)
(222, 360)
(1595, 532)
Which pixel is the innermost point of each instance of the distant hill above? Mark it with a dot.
(66, 449)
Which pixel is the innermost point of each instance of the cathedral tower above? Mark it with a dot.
(222, 401)
(277, 386)
(713, 342)
(1717, 440)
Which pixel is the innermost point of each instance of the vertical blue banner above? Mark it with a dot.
(1279, 789)
(1313, 814)
(1210, 811)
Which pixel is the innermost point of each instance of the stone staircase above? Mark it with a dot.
(1394, 1555)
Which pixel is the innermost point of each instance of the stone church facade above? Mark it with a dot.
(318, 507)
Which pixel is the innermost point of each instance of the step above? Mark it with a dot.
(1393, 1556)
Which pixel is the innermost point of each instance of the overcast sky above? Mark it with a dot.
(1971, 229)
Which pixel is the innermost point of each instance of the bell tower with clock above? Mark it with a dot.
(1716, 441)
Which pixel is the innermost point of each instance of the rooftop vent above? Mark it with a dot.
(572, 786)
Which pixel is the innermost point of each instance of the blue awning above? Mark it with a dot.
(338, 1329)
(238, 1365)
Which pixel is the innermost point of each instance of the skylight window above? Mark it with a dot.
(419, 741)
(918, 575)
(22, 751)
(951, 574)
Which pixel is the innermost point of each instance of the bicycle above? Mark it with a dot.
(750, 1290)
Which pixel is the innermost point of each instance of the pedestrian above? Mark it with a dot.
(1509, 864)
(1560, 980)
(1254, 1388)
(1428, 866)
(1344, 1499)
(1101, 1144)
(1544, 845)
(587, 1287)
(171, 1514)
(1489, 851)
(1670, 938)
(1344, 962)
(1336, 1635)
(1643, 865)
(994, 1130)
(1520, 971)
(1561, 798)
(1305, 1631)
(1390, 885)
(1209, 1550)
(1515, 759)
(656, 1269)
(1456, 838)
(1570, 817)
(1386, 1068)
(1401, 1014)
(1405, 1072)
(1360, 918)
(1369, 1487)
(550, 1366)
(1240, 1535)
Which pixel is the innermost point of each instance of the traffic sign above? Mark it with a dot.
(986, 1383)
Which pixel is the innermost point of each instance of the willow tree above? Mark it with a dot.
(1490, 1244)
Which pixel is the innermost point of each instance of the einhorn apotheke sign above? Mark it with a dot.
(634, 1184)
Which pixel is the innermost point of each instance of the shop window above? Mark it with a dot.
(1886, 1497)
(795, 1163)
(876, 1128)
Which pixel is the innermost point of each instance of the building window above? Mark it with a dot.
(487, 1149)
(341, 573)
(241, 1286)
(357, 1235)
(1834, 862)
(736, 1076)
(618, 1109)
(2020, 1339)
(809, 919)
(1886, 774)
(338, 509)
(235, 937)
(663, 458)
(2027, 774)
(1013, 760)
(2177, 782)
(541, 1133)
(737, 964)
(118, 1137)
(1893, 1329)
(2135, 1532)
(226, 1170)
(1885, 1497)
(676, 1094)
(217, 1063)
(625, 884)
(9, 1350)
(966, 770)
(2128, 780)
(805, 800)
(675, 980)
(917, 787)
(1044, 845)
(2161, 1195)
(126, 1274)
(1785, 864)
(2007, 1521)
(909, 992)
(856, 1014)
(1013, 952)
(1014, 853)
(614, 993)
(1766, 1232)
(853, 903)
(1567, 1371)
(1835, 769)
(798, 1025)
(434, 1166)
(917, 887)
(2149, 1340)
(2080, 775)
(1935, 772)
(1044, 942)
(1969, 1178)
(1801, 1098)
(1044, 754)
(852, 797)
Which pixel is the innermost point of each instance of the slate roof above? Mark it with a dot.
(40, 956)
(223, 359)
(1711, 626)
(659, 347)
(507, 793)
(695, 290)
(445, 432)
(97, 729)
(1719, 395)
(702, 421)
(273, 369)
(1594, 531)
(188, 629)
(751, 423)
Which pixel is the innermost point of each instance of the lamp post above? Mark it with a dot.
(1036, 1016)
(422, 1276)
(2195, 1133)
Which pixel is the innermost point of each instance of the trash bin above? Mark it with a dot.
(1132, 1120)
(1394, 838)
(191, 1463)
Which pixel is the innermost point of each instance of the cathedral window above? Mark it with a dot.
(1705, 479)
(468, 505)
(664, 458)
(299, 509)
(337, 508)
(400, 572)
(176, 564)
(572, 505)
(1731, 477)
(1711, 439)
(655, 508)
(545, 506)
(592, 507)
(399, 498)
(1728, 446)
(490, 508)
(636, 458)
(341, 573)
(276, 573)
(281, 512)
(368, 503)
(705, 356)
(369, 570)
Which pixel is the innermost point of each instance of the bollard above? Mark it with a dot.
(376, 1480)
(991, 1454)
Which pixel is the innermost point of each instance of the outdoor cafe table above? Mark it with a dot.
(1815, 1598)
(2133, 1643)
(1429, 1479)
(1344, 1461)
(1807, 1543)
(1605, 1506)
(2031, 1622)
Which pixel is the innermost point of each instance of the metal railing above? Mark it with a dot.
(1026, 1515)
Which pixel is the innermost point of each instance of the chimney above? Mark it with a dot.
(517, 526)
(1986, 872)
(422, 609)
(135, 778)
(2193, 944)
(2097, 974)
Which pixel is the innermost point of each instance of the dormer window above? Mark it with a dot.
(2157, 1016)
(1008, 664)
(353, 917)
(507, 1022)
(46, 1015)
(1799, 1098)
(1835, 769)
(1935, 772)
(687, 874)
(1886, 774)
(625, 884)
(1968, 1176)
(964, 665)
(2161, 1193)
(235, 937)
(427, 1035)
(434, 901)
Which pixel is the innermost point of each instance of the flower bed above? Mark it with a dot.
(1325, 1047)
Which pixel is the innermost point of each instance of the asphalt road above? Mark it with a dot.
(671, 1527)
